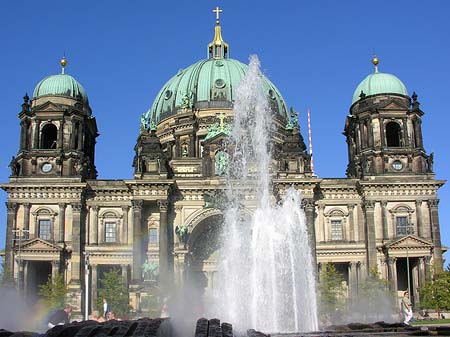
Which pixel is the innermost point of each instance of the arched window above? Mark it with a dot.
(44, 219)
(111, 223)
(49, 136)
(336, 220)
(393, 134)
(402, 219)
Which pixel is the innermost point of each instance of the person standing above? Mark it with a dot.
(106, 309)
(406, 308)
(60, 317)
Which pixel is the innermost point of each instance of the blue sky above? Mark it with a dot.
(316, 53)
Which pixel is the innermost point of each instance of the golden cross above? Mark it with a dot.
(217, 11)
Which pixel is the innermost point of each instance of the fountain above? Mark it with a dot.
(265, 279)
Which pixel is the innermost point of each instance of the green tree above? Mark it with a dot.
(332, 297)
(114, 289)
(435, 294)
(54, 291)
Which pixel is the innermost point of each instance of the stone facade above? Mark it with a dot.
(384, 215)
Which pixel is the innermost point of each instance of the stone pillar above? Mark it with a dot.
(163, 242)
(23, 131)
(10, 226)
(384, 220)
(420, 229)
(80, 137)
(26, 265)
(60, 134)
(26, 216)
(55, 268)
(192, 145)
(94, 280)
(125, 224)
(321, 222)
(310, 216)
(93, 230)
(351, 222)
(371, 249)
(392, 274)
(370, 132)
(136, 274)
(62, 222)
(124, 268)
(76, 243)
(422, 271)
(353, 279)
(37, 126)
(435, 233)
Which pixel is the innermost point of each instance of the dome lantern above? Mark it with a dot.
(217, 48)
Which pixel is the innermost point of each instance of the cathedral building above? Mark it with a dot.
(163, 224)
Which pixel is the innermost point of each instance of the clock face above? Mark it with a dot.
(47, 167)
(397, 165)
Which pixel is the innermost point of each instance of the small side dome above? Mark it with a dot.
(379, 83)
(60, 85)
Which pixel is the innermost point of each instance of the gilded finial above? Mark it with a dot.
(63, 63)
(218, 48)
(375, 62)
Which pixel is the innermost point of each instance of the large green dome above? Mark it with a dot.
(209, 83)
(379, 83)
(60, 85)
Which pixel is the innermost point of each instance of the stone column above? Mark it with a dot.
(25, 278)
(371, 248)
(435, 233)
(370, 132)
(422, 271)
(124, 268)
(76, 243)
(37, 126)
(80, 137)
(93, 230)
(125, 224)
(136, 274)
(163, 242)
(384, 220)
(392, 273)
(26, 216)
(23, 131)
(94, 280)
(60, 134)
(420, 229)
(62, 222)
(353, 279)
(10, 226)
(310, 216)
(55, 268)
(192, 145)
(351, 222)
(321, 222)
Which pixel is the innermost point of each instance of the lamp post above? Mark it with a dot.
(86, 285)
(409, 231)
(19, 235)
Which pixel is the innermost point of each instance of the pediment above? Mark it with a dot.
(393, 104)
(48, 106)
(218, 138)
(38, 244)
(410, 242)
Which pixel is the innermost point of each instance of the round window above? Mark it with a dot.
(167, 94)
(397, 165)
(219, 83)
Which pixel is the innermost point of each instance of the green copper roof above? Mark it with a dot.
(209, 83)
(60, 85)
(380, 83)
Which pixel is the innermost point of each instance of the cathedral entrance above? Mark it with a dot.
(36, 274)
(204, 244)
